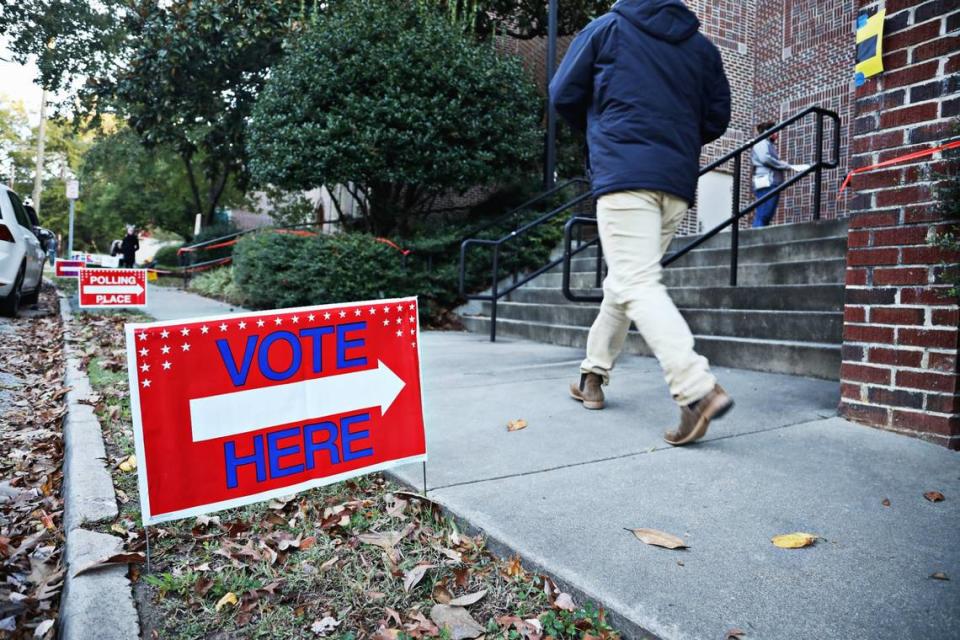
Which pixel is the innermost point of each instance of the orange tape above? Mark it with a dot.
(904, 158)
(390, 243)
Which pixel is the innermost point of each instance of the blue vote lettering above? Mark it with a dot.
(295, 449)
(257, 351)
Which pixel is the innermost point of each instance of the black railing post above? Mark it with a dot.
(818, 175)
(735, 232)
(493, 296)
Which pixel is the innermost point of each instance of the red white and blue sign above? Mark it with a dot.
(236, 409)
(68, 268)
(107, 288)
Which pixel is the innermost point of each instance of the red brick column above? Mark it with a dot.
(900, 346)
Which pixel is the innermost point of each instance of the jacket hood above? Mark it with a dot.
(668, 20)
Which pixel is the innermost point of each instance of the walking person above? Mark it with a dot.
(129, 247)
(649, 90)
(768, 171)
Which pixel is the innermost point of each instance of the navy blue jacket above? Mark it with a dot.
(650, 91)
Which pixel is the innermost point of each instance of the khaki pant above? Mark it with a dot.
(636, 228)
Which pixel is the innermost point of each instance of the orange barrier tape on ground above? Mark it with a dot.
(904, 158)
(228, 243)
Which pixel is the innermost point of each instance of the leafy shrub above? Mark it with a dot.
(220, 284)
(395, 103)
(166, 255)
(277, 270)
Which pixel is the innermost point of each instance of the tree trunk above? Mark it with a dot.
(194, 190)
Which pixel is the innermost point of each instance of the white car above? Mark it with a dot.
(21, 255)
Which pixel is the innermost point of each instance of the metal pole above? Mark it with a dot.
(70, 237)
(735, 232)
(549, 169)
(41, 140)
(818, 175)
(493, 296)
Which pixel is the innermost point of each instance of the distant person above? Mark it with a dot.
(649, 90)
(768, 171)
(52, 245)
(129, 247)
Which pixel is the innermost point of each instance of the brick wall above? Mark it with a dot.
(899, 367)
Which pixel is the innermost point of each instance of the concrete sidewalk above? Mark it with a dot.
(170, 303)
(562, 491)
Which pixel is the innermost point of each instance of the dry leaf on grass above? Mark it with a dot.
(441, 594)
(565, 602)
(324, 626)
(939, 575)
(456, 620)
(658, 538)
(42, 628)
(386, 540)
(128, 465)
(228, 598)
(516, 425)
(119, 558)
(794, 540)
(934, 496)
(413, 577)
(469, 599)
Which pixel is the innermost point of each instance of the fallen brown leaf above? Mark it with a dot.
(229, 598)
(565, 602)
(469, 599)
(119, 558)
(886, 502)
(939, 575)
(794, 540)
(734, 634)
(658, 538)
(457, 621)
(441, 594)
(934, 496)
(516, 425)
(413, 577)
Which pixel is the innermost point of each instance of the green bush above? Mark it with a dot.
(220, 284)
(395, 102)
(276, 270)
(166, 256)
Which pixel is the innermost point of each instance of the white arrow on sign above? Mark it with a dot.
(113, 288)
(239, 412)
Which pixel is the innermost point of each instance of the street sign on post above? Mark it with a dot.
(233, 410)
(73, 189)
(108, 288)
(68, 268)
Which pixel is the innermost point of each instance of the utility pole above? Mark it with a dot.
(550, 163)
(41, 134)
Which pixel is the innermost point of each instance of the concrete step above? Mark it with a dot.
(811, 359)
(801, 326)
(800, 272)
(817, 249)
(799, 297)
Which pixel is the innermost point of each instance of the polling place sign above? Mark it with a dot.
(237, 409)
(104, 288)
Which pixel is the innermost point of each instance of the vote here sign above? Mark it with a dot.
(113, 288)
(233, 410)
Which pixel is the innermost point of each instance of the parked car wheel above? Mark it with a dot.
(32, 298)
(10, 305)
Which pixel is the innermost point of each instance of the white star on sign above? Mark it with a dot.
(165, 350)
(204, 329)
(399, 333)
(399, 308)
(242, 325)
(144, 367)
(164, 334)
(144, 352)
(295, 319)
(326, 316)
(260, 322)
(146, 383)
(166, 365)
(386, 322)
(185, 346)
(411, 307)
(223, 327)
(278, 321)
(184, 332)
(357, 313)
(373, 311)
(413, 344)
(343, 314)
(311, 317)
(386, 309)
(412, 319)
(143, 336)
(413, 331)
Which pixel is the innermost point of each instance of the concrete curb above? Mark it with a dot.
(100, 599)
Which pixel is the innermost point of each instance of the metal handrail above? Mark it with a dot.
(737, 212)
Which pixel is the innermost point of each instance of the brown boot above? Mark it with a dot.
(695, 418)
(589, 391)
